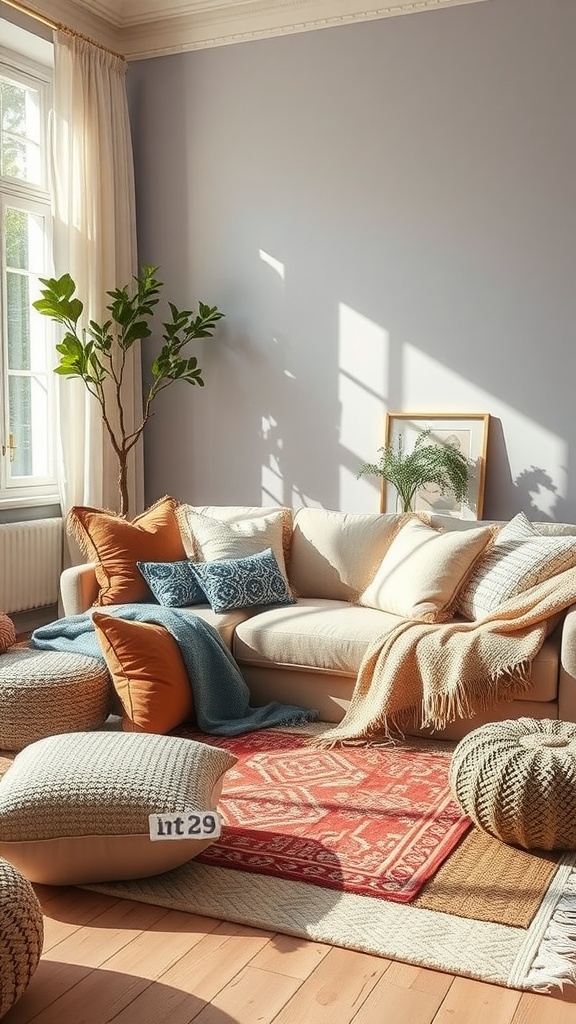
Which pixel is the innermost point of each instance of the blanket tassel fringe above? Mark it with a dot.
(434, 713)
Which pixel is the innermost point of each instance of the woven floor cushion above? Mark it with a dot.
(76, 808)
(517, 780)
(21, 934)
(47, 692)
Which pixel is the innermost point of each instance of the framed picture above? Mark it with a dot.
(466, 431)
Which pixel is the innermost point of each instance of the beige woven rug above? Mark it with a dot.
(539, 958)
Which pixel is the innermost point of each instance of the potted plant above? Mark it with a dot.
(97, 354)
(428, 462)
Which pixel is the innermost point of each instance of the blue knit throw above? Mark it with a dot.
(221, 696)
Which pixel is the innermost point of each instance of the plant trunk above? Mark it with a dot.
(123, 482)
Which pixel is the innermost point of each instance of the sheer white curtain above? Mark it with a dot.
(94, 241)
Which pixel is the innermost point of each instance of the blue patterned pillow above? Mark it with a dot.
(172, 583)
(243, 582)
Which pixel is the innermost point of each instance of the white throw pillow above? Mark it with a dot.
(212, 540)
(335, 554)
(520, 558)
(422, 571)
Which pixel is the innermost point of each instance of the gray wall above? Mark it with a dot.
(386, 213)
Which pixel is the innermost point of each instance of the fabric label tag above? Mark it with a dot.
(187, 824)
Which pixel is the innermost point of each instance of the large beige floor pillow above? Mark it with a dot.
(75, 808)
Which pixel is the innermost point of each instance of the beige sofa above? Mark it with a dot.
(309, 652)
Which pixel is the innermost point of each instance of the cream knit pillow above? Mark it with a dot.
(74, 807)
(423, 570)
(520, 558)
(212, 540)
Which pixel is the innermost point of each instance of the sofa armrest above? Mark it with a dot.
(78, 589)
(567, 671)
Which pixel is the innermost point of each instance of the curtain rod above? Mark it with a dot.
(44, 20)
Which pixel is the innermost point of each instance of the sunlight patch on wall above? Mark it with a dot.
(363, 351)
(272, 484)
(537, 456)
(276, 265)
(299, 499)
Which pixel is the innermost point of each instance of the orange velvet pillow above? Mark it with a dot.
(115, 545)
(148, 673)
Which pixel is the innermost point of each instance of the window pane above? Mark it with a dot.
(18, 310)
(20, 132)
(25, 244)
(13, 100)
(21, 160)
(29, 424)
(27, 342)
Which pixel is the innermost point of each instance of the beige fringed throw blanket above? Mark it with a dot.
(430, 674)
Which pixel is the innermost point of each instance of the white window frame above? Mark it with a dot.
(34, 199)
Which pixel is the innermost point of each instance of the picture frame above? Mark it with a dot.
(469, 431)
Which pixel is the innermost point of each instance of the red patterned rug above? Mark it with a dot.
(377, 821)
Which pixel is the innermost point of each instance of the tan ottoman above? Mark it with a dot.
(517, 780)
(47, 692)
(21, 934)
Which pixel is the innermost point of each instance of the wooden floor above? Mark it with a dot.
(133, 963)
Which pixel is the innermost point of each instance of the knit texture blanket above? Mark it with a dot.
(427, 675)
(221, 697)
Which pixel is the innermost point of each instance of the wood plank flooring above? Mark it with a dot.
(133, 963)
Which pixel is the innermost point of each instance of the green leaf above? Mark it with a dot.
(67, 371)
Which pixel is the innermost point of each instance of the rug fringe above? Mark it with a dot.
(555, 962)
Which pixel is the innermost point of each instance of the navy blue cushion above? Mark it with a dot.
(172, 583)
(243, 582)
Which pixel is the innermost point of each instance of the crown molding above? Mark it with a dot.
(151, 28)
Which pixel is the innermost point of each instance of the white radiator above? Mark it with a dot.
(30, 564)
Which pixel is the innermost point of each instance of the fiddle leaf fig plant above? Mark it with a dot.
(97, 353)
(427, 462)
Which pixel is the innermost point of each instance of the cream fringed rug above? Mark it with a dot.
(540, 958)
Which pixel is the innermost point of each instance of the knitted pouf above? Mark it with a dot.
(7, 632)
(21, 934)
(47, 692)
(517, 781)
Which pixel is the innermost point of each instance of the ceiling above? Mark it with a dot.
(150, 28)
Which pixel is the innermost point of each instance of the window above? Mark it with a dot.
(27, 420)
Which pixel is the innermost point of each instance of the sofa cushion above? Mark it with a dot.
(331, 636)
(148, 673)
(318, 640)
(519, 558)
(243, 582)
(423, 570)
(75, 808)
(172, 583)
(210, 540)
(115, 545)
(225, 622)
(335, 554)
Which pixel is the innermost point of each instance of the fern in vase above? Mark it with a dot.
(427, 463)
